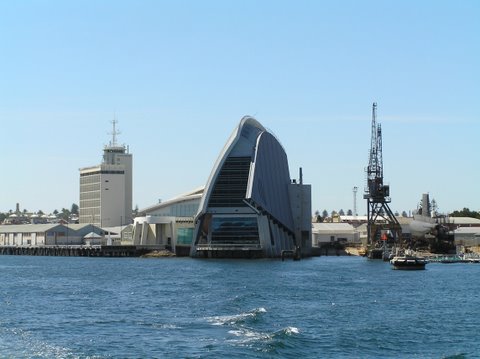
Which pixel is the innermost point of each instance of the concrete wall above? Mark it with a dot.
(320, 238)
(467, 239)
(112, 200)
(155, 233)
(301, 202)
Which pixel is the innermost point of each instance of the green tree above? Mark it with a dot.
(465, 212)
(324, 213)
(65, 214)
(434, 206)
(74, 209)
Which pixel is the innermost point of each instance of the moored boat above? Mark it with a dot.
(408, 262)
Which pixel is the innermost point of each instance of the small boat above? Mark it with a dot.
(408, 262)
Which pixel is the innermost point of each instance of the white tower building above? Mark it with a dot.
(106, 189)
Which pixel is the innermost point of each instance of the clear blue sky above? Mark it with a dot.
(179, 75)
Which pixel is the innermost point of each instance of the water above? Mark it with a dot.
(334, 307)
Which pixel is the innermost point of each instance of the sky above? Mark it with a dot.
(179, 76)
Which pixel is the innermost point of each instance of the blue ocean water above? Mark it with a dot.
(334, 307)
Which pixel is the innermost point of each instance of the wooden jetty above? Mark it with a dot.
(80, 251)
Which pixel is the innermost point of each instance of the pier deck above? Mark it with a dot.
(80, 251)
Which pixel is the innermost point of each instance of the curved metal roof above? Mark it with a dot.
(268, 177)
(248, 129)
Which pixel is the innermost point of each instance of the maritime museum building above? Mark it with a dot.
(250, 207)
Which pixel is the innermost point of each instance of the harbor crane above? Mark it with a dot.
(383, 227)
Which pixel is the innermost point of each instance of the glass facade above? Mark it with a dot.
(231, 185)
(184, 209)
(184, 236)
(235, 231)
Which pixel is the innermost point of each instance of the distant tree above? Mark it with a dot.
(404, 214)
(64, 214)
(434, 206)
(317, 217)
(334, 213)
(135, 211)
(40, 212)
(74, 209)
(349, 212)
(324, 213)
(55, 212)
(341, 212)
(465, 212)
(396, 214)
(2, 217)
(25, 211)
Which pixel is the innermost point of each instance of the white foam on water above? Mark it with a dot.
(237, 318)
(291, 330)
(23, 344)
(245, 336)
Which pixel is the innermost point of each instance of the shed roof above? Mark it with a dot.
(347, 218)
(467, 230)
(92, 235)
(464, 220)
(332, 227)
(31, 228)
(194, 194)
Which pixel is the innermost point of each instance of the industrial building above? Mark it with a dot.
(326, 233)
(50, 235)
(106, 189)
(467, 237)
(250, 207)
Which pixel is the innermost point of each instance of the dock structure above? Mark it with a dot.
(80, 251)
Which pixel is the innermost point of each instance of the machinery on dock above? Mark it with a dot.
(383, 229)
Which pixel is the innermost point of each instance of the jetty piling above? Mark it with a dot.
(79, 251)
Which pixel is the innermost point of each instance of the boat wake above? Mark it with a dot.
(249, 316)
(277, 342)
(248, 330)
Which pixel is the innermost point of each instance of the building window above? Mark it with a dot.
(235, 230)
(184, 236)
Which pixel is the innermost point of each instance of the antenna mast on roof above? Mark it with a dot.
(355, 189)
(114, 133)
